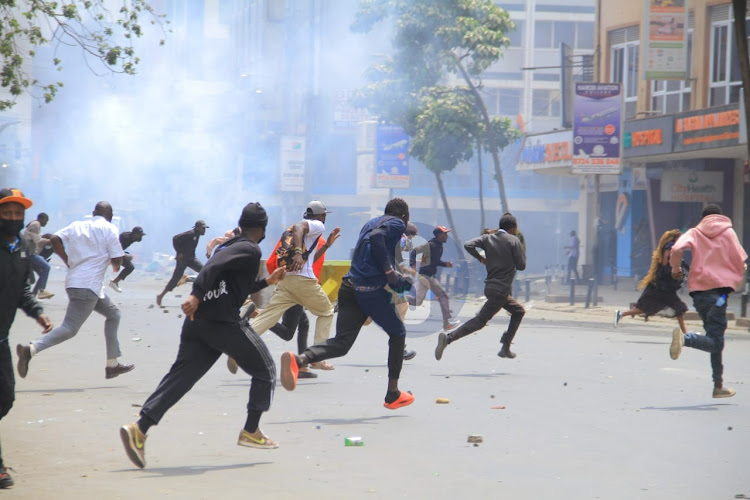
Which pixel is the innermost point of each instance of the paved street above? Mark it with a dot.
(584, 412)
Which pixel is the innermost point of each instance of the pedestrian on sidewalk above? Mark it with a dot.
(15, 293)
(184, 245)
(572, 249)
(212, 326)
(363, 295)
(35, 243)
(503, 256)
(659, 287)
(716, 270)
(127, 238)
(87, 247)
(432, 258)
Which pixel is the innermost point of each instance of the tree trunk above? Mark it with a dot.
(491, 140)
(740, 11)
(456, 238)
(481, 187)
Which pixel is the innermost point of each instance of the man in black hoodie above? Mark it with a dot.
(15, 293)
(212, 326)
(504, 255)
(184, 244)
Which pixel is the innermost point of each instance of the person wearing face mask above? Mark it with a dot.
(15, 293)
(213, 326)
(87, 247)
(184, 244)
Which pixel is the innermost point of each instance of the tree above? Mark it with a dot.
(740, 12)
(104, 36)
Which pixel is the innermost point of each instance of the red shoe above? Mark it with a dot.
(289, 371)
(404, 399)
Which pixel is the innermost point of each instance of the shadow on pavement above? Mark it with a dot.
(193, 470)
(338, 421)
(471, 375)
(713, 407)
(71, 390)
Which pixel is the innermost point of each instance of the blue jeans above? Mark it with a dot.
(715, 323)
(41, 267)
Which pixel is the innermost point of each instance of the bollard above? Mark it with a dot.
(590, 288)
(572, 291)
(743, 305)
(528, 289)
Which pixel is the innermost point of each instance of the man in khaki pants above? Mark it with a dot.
(300, 285)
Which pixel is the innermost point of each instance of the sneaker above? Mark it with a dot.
(24, 357)
(451, 324)
(724, 392)
(505, 352)
(44, 294)
(289, 371)
(409, 354)
(441, 345)
(256, 440)
(134, 442)
(322, 365)
(5, 480)
(114, 371)
(618, 317)
(404, 399)
(114, 286)
(232, 365)
(306, 373)
(678, 340)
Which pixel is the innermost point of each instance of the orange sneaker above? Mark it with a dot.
(289, 371)
(404, 399)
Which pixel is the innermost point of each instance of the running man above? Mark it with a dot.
(184, 245)
(363, 294)
(127, 238)
(35, 242)
(212, 326)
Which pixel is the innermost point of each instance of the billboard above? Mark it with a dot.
(292, 163)
(692, 186)
(665, 40)
(597, 128)
(392, 169)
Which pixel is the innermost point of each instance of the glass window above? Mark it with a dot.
(545, 103)
(565, 32)
(516, 37)
(726, 79)
(585, 36)
(510, 102)
(543, 34)
(624, 69)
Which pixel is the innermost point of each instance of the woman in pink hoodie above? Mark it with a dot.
(717, 269)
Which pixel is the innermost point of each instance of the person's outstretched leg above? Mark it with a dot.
(517, 313)
(493, 304)
(179, 270)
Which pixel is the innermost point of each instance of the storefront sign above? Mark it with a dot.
(707, 128)
(692, 186)
(392, 158)
(647, 137)
(597, 128)
(292, 163)
(665, 40)
(546, 151)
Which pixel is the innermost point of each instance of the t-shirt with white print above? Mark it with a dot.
(316, 228)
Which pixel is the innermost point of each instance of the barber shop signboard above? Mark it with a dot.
(692, 186)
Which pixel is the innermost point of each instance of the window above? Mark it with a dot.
(545, 103)
(502, 102)
(726, 82)
(673, 96)
(516, 37)
(625, 48)
(550, 34)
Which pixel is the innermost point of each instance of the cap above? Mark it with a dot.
(316, 207)
(253, 215)
(138, 230)
(200, 222)
(8, 195)
(440, 229)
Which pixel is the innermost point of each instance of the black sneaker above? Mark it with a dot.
(114, 371)
(409, 354)
(506, 353)
(5, 480)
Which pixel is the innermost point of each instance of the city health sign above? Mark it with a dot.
(392, 164)
(597, 128)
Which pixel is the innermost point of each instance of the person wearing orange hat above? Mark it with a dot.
(15, 293)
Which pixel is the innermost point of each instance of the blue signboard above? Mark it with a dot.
(392, 165)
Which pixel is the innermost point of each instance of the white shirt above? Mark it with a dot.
(90, 244)
(316, 228)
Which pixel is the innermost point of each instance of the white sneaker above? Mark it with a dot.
(115, 286)
(451, 324)
(44, 294)
(618, 317)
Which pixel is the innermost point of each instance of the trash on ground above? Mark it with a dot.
(497, 408)
(442, 401)
(475, 438)
(353, 441)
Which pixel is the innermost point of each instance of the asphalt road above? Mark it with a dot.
(583, 412)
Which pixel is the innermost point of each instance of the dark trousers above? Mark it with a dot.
(179, 269)
(7, 382)
(201, 344)
(495, 302)
(715, 324)
(573, 268)
(294, 319)
(354, 308)
(41, 267)
(127, 268)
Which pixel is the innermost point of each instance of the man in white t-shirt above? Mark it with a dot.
(87, 247)
(300, 285)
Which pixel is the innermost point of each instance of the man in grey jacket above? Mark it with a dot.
(504, 255)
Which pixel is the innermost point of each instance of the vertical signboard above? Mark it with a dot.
(392, 158)
(665, 40)
(292, 163)
(597, 128)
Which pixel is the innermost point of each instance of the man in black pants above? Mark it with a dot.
(212, 326)
(362, 295)
(184, 244)
(503, 256)
(127, 238)
(15, 293)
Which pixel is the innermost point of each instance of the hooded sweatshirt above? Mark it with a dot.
(718, 257)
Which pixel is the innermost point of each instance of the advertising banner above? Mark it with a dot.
(692, 186)
(597, 128)
(665, 40)
(292, 163)
(392, 158)
(707, 128)
(545, 151)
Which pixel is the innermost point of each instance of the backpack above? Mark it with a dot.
(284, 252)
